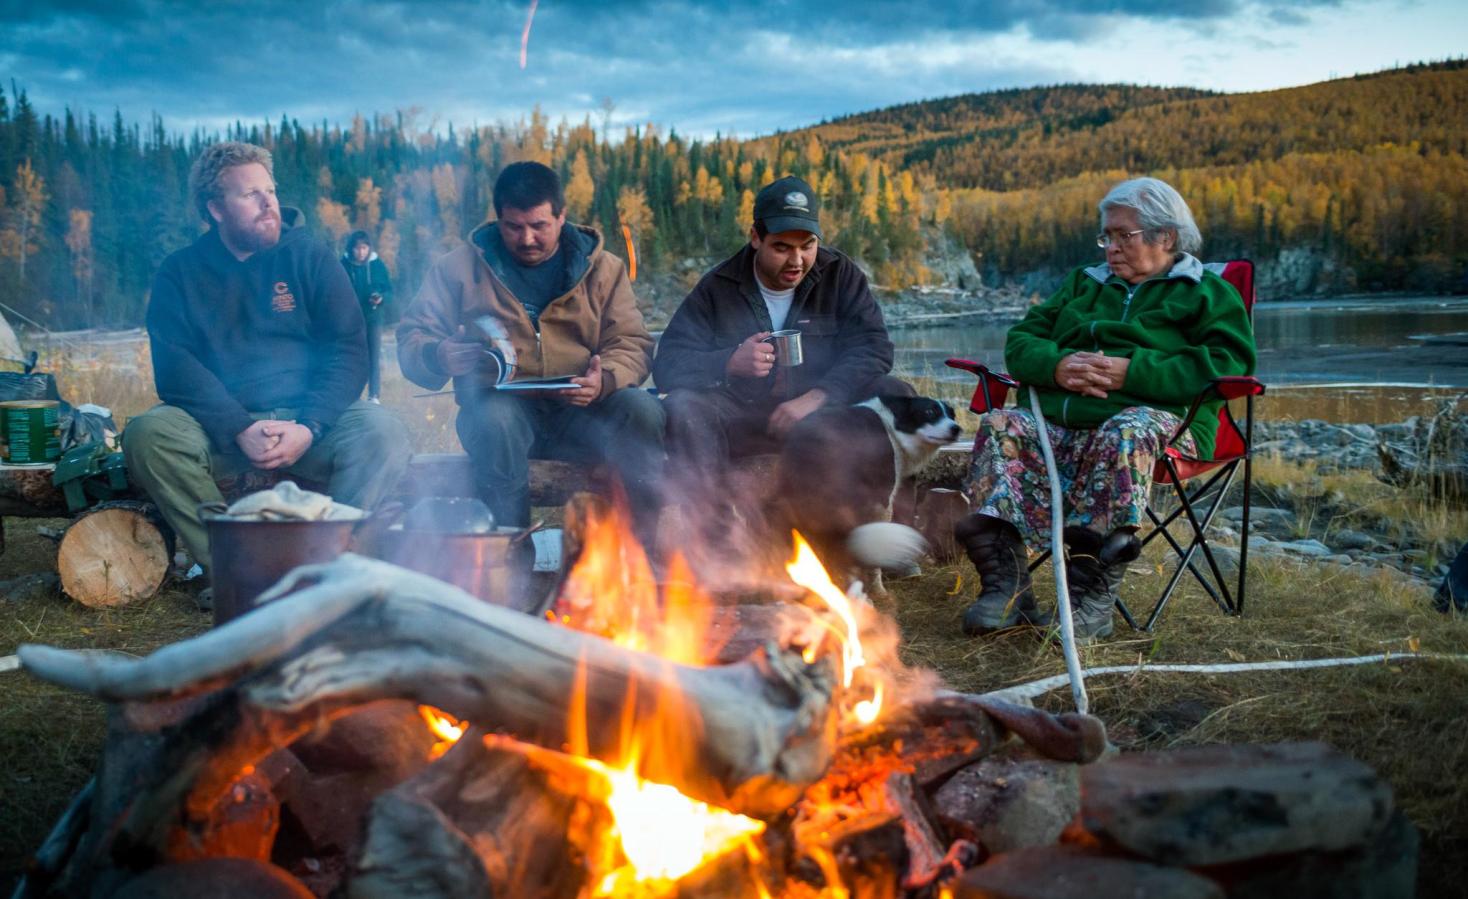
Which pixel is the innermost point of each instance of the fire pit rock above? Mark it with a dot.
(1006, 803)
(1064, 872)
(1212, 805)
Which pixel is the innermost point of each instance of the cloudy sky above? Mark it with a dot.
(702, 66)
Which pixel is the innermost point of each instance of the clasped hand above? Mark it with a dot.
(271, 443)
(1091, 374)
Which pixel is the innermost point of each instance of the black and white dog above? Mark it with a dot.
(839, 473)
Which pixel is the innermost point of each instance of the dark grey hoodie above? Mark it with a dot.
(279, 330)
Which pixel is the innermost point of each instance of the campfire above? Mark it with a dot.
(644, 737)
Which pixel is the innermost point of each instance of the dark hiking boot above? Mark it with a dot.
(1094, 568)
(1005, 598)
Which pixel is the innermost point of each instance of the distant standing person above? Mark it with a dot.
(370, 280)
(259, 355)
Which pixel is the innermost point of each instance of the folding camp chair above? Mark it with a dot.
(1196, 506)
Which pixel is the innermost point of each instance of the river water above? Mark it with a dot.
(1366, 359)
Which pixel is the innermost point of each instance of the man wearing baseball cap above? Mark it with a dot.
(726, 395)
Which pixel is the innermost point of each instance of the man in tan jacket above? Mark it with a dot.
(560, 306)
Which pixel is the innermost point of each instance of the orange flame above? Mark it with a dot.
(805, 569)
(445, 728)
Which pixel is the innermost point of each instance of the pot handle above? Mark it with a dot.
(368, 532)
(539, 525)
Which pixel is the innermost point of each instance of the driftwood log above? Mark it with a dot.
(483, 820)
(114, 554)
(750, 736)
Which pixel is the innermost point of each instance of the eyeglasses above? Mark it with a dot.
(1123, 238)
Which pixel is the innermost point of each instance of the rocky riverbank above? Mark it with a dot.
(1307, 520)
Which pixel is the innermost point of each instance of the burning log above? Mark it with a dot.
(481, 821)
(750, 736)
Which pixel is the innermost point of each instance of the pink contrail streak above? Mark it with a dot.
(525, 35)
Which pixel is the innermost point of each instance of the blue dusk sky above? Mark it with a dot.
(700, 66)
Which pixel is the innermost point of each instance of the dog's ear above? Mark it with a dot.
(898, 405)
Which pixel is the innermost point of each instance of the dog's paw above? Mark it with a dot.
(883, 544)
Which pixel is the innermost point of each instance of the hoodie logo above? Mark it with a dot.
(284, 300)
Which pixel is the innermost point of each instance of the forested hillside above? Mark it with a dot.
(1357, 184)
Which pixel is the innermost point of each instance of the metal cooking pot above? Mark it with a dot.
(454, 539)
(250, 556)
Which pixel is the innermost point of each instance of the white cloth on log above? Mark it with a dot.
(288, 502)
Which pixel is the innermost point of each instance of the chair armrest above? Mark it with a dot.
(993, 387)
(1231, 387)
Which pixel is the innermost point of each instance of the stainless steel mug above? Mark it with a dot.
(786, 345)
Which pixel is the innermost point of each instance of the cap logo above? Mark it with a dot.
(797, 199)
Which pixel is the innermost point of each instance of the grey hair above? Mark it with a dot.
(1159, 207)
(214, 161)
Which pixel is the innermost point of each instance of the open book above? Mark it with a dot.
(499, 369)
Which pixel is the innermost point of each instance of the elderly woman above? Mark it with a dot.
(1117, 354)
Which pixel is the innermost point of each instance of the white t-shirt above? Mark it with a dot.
(778, 302)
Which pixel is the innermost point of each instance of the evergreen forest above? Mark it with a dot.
(1361, 184)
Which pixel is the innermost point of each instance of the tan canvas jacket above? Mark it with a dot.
(598, 315)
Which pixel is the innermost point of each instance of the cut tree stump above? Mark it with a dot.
(114, 554)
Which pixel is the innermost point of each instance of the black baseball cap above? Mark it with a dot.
(788, 204)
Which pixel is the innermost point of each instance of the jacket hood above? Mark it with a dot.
(580, 243)
(1185, 266)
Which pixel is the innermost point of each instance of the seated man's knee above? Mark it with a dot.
(494, 417)
(163, 430)
(887, 385)
(383, 436)
(639, 411)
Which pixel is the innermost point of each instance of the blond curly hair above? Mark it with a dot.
(216, 158)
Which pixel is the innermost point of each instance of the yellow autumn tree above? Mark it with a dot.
(580, 189)
(22, 231)
(633, 211)
(367, 210)
(333, 219)
(79, 245)
(388, 241)
(446, 192)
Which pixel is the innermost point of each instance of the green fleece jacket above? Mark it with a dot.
(1180, 330)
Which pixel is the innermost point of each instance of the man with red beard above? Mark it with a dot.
(726, 396)
(259, 355)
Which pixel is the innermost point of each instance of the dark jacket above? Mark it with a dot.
(843, 338)
(1180, 330)
(369, 278)
(597, 314)
(279, 330)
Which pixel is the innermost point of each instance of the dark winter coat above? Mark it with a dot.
(843, 338)
(369, 278)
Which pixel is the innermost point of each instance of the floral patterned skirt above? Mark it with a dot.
(1105, 472)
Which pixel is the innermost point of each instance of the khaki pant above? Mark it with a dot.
(360, 460)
